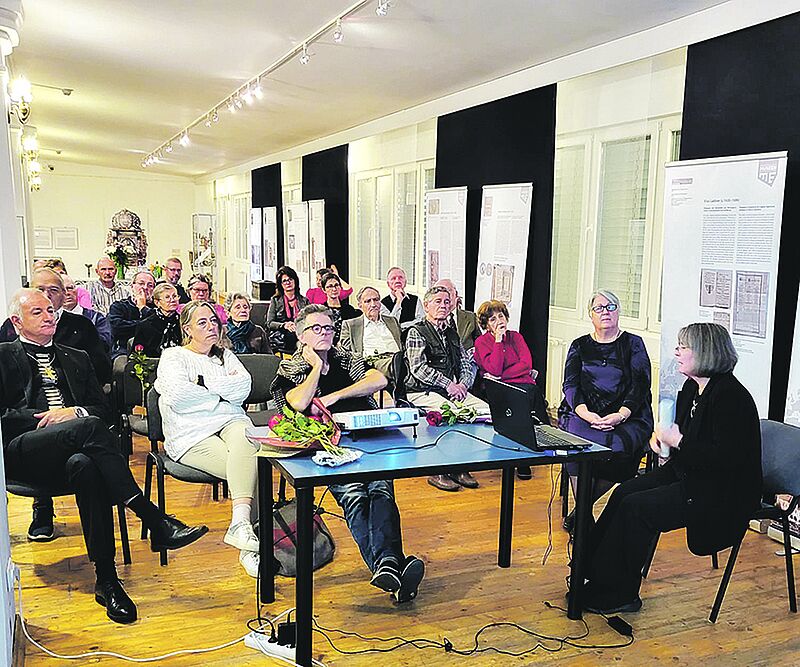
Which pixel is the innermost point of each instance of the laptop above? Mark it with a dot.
(512, 418)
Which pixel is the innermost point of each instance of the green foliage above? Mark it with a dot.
(459, 413)
(293, 426)
(142, 369)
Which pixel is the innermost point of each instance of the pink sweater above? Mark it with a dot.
(510, 359)
(317, 295)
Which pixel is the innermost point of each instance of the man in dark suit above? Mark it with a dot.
(373, 336)
(126, 314)
(172, 271)
(73, 331)
(54, 420)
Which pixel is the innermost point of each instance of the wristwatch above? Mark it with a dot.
(80, 412)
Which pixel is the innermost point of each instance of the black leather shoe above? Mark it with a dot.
(524, 472)
(112, 596)
(171, 533)
(464, 479)
(569, 522)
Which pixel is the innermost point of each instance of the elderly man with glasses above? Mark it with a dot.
(126, 314)
(341, 382)
(441, 371)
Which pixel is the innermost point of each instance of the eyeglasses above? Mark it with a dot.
(322, 329)
(610, 307)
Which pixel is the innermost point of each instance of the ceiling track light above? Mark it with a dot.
(304, 57)
(252, 90)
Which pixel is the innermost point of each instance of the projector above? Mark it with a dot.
(384, 418)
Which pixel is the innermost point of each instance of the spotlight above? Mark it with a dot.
(215, 117)
(184, 140)
(257, 90)
(237, 101)
(383, 8)
(168, 147)
(248, 95)
(338, 35)
(34, 167)
(30, 143)
(231, 106)
(304, 57)
(207, 122)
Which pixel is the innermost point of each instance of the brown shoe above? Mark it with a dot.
(443, 482)
(465, 479)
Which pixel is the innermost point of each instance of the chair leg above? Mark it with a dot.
(564, 491)
(787, 548)
(715, 561)
(225, 489)
(162, 503)
(651, 555)
(726, 577)
(148, 486)
(123, 534)
(215, 491)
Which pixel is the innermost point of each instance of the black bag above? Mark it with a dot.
(284, 529)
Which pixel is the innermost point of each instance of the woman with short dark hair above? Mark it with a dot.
(283, 309)
(711, 483)
(340, 310)
(160, 329)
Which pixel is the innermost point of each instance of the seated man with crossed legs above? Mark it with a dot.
(54, 415)
(342, 383)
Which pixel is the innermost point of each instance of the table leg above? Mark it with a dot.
(266, 548)
(583, 508)
(506, 517)
(304, 588)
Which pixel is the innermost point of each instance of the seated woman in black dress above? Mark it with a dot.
(340, 310)
(243, 336)
(710, 485)
(161, 329)
(607, 395)
(283, 308)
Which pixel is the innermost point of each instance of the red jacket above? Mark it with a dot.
(510, 360)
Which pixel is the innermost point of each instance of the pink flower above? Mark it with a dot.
(276, 419)
(434, 418)
(139, 348)
(316, 418)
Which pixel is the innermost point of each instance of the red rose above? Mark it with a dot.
(139, 348)
(434, 418)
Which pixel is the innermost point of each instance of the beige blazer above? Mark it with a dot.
(352, 338)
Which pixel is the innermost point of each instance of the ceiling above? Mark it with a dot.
(142, 70)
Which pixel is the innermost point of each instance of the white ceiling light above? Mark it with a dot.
(338, 35)
(383, 8)
(247, 96)
(168, 147)
(214, 116)
(304, 57)
(258, 91)
(184, 140)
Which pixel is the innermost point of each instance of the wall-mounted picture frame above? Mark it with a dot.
(65, 238)
(42, 238)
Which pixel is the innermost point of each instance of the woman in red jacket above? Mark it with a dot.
(504, 355)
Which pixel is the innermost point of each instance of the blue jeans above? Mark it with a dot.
(373, 518)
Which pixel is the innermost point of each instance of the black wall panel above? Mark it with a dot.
(743, 96)
(265, 183)
(511, 140)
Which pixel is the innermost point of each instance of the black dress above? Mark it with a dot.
(157, 332)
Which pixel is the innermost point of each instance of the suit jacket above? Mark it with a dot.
(352, 338)
(16, 388)
(74, 331)
(467, 327)
(719, 461)
(124, 317)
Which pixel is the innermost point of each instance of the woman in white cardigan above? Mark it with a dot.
(202, 389)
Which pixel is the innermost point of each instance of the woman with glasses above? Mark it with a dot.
(340, 310)
(160, 329)
(317, 294)
(202, 387)
(283, 309)
(607, 395)
(199, 289)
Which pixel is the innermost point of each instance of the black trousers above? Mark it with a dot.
(80, 455)
(637, 512)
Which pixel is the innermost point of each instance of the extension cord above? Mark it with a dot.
(262, 643)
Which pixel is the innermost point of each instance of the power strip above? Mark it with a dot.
(261, 642)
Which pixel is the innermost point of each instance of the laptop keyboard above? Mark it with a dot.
(548, 440)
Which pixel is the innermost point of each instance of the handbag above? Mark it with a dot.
(284, 536)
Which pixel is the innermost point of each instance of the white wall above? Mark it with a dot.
(86, 197)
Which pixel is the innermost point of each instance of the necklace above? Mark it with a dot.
(694, 407)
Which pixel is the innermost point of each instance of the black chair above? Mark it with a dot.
(262, 368)
(126, 391)
(164, 465)
(399, 375)
(780, 469)
(28, 490)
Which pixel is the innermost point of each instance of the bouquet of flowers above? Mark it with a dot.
(142, 369)
(451, 413)
(293, 430)
(117, 255)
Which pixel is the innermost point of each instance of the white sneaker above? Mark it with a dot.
(249, 561)
(242, 536)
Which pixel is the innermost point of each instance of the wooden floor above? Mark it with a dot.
(204, 598)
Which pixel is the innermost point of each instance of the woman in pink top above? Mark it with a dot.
(504, 355)
(317, 294)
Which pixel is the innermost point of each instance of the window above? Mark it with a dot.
(621, 220)
(568, 205)
(387, 228)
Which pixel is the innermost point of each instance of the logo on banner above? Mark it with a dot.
(523, 195)
(768, 171)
